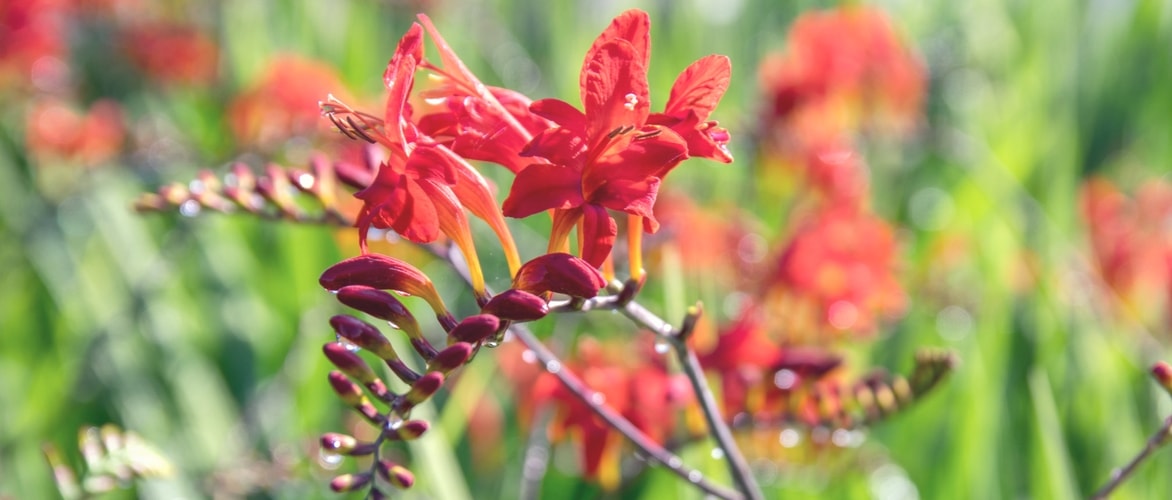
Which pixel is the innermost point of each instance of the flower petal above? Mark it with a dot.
(598, 234)
(634, 26)
(399, 79)
(559, 145)
(543, 186)
(561, 113)
(700, 87)
(655, 151)
(614, 89)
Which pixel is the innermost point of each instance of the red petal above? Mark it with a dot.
(426, 162)
(399, 79)
(654, 156)
(561, 113)
(452, 63)
(614, 89)
(598, 234)
(543, 186)
(700, 87)
(559, 145)
(418, 220)
(634, 26)
(633, 197)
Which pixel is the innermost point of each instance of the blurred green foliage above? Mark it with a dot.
(202, 334)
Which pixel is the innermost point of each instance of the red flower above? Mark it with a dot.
(57, 130)
(172, 52)
(1131, 240)
(283, 102)
(476, 121)
(423, 188)
(841, 264)
(845, 64)
(607, 157)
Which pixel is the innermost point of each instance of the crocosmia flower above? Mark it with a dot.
(610, 155)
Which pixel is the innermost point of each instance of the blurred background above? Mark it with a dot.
(998, 168)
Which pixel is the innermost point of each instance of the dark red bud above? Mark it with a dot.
(475, 328)
(381, 305)
(1163, 374)
(395, 474)
(348, 391)
(559, 273)
(350, 363)
(338, 443)
(516, 305)
(350, 482)
(451, 357)
(364, 335)
(423, 388)
(411, 429)
(383, 273)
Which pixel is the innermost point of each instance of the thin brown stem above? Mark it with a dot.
(1160, 438)
(737, 465)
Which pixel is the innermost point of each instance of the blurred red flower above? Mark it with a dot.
(171, 53)
(848, 66)
(31, 35)
(56, 130)
(283, 102)
(636, 386)
(1131, 239)
(837, 274)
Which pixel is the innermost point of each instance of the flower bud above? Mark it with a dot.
(348, 391)
(451, 357)
(363, 335)
(381, 305)
(383, 273)
(395, 474)
(559, 273)
(350, 482)
(475, 328)
(424, 388)
(516, 305)
(350, 363)
(1162, 372)
(338, 443)
(406, 431)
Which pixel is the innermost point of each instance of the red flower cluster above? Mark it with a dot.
(32, 40)
(844, 70)
(846, 67)
(579, 164)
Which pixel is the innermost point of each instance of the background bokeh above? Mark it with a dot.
(1033, 231)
